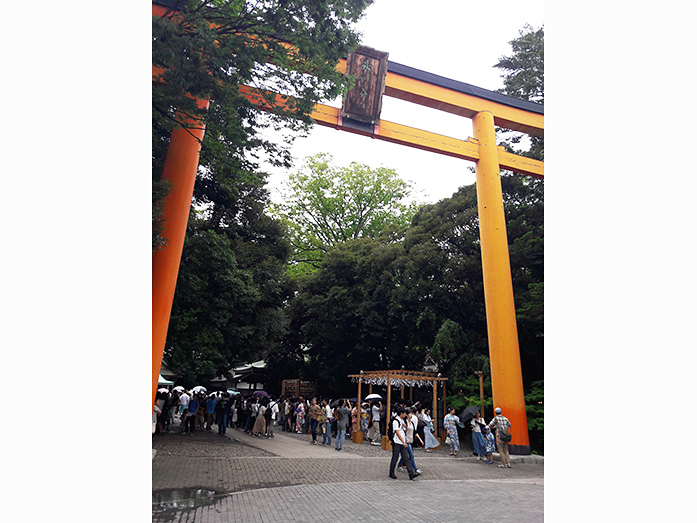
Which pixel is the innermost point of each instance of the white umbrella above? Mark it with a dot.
(373, 397)
(199, 388)
(178, 388)
(163, 390)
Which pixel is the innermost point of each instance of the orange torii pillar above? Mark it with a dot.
(506, 372)
(180, 169)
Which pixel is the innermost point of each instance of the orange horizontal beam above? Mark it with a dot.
(387, 131)
(441, 98)
(462, 104)
(412, 137)
(447, 100)
(521, 164)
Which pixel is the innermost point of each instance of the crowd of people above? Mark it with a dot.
(410, 427)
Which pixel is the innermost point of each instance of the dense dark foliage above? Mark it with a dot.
(232, 285)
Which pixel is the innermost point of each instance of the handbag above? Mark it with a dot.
(505, 436)
(447, 440)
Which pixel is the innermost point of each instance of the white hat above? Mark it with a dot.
(497, 410)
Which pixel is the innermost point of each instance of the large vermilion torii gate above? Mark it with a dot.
(360, 114)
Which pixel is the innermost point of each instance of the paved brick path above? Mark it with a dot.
(207, 477)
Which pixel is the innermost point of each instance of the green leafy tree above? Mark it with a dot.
(450, 341)
(232, 286)
(212, 309)
(344, 318)
(229, 303)
(525, 69)
(523, 78)
(326, 205)
(534, 408)
(208, 49)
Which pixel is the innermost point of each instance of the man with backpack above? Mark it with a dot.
(269, 416)
(221, 413)
(501, 424)
(396, 431)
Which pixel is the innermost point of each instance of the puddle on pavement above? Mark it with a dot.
(183, 499)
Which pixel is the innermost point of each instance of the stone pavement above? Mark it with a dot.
(210, 478)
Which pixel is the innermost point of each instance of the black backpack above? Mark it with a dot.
(390, 429)
(267, 412)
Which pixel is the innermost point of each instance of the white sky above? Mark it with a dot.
(454, 39)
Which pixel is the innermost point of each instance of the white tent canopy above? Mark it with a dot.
(162, 381)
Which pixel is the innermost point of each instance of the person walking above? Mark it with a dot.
(306, 420)
(502, 424)
(418, 411)
(259, 428)
(160, 401)
(477, 423)
(288, 412)
(430, 441)
(343, 418)
(490, 444)
(374, 433)
(299, 415)
(232, 412)
(210, 410)
(451, 422)
(201, 414)
(250, 407)
(328, 418)
(364, 420)
(221, 413)
(399, 444)
(271, 419)
(314, 413)
(183, 405)
(190, 421)
(410, 436)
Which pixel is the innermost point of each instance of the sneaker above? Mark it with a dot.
(508, 465)
(501, 466)
(416, 475)
(418, 471)
(401, 469)
(393, 476)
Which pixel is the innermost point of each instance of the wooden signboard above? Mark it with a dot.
(364, 101)
(295, 388)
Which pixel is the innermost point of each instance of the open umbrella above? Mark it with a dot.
(199, 388)
(334, 404)
(260, 393)
(468, 413)
(373, 397)
(179, 388)
(163, 389)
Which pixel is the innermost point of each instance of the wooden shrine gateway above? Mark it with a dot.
(396, 378)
